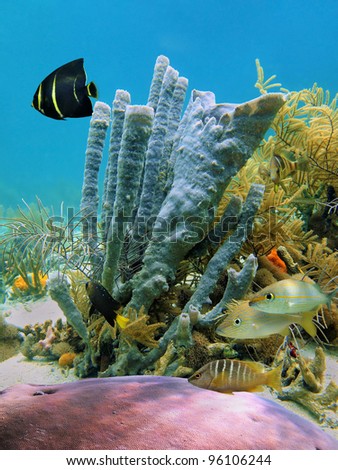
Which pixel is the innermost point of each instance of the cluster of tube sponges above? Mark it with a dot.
(165, 177)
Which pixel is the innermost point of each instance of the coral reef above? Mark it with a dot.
(210, 153)
(142, 332)
(25, 247)
(199, 208)
(50, 341)
(164, 182)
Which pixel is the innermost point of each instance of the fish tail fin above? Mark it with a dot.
(273, 378)
(122, 321)
(92, 90)
(307, 323)
(331, 296)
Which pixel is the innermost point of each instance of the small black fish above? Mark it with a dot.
(64, 92)
(104, 303)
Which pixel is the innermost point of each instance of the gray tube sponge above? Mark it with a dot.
(58, 288)
(172, 126)
(137, 129)
(216, 142)
(237, 286)
(160, 68)
(90, 190)
(120, 103)
(227, 222)
(183, 336)
(154, 152)
(228, 250)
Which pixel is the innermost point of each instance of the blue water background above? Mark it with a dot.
(214, 43)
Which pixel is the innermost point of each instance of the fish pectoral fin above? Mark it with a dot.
(217, 382)
(122, 321)
(92, 90)
(92, 310)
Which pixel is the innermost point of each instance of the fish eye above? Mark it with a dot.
(198, 376)
(269, 296)
(237, 322)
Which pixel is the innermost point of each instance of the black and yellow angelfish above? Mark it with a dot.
(64, 92)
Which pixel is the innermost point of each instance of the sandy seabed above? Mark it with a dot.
(18, 369)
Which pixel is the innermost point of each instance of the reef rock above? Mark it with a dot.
(147, 412)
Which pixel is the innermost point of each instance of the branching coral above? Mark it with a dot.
(139, 330)
(307, 126)
(304, 134)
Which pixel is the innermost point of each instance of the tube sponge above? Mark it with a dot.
(90, 195)
(216, 141)
(58, 288)
(120, 103)
(183, 337)
(136, 132)
(161, 65)
(228, 250)
(237, 286)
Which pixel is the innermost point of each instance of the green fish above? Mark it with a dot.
(226, 376)
(64, 93)
(104, 303)
(291, 296)
(245, 322)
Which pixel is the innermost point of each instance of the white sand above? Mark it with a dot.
(18, 369)
(29, 313)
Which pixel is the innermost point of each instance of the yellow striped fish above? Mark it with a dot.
(226, 376)
(281, 167)
(245, 322)
(291, 296)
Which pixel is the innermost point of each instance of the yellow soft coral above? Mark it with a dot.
(21, 284)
